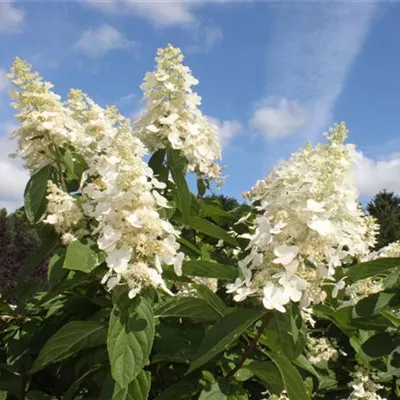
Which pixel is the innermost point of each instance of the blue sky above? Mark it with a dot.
(273, 74)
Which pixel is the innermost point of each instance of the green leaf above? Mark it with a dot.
(35, 194)
(189, 307)
(268, 374)
(224, 390)
(70, 339)
(177, 165)
(212, 299)
(156, 163)
(216, 212)
(183, 390)
(189, 246)
(285, 333)
(69, 394)
(201, 187)
(291, 377)
(55, 270)
(3, 395)
(372, 268)
(130, 337)
(210, 229)
(209, 269)
(138, 389)
(381, 344)
(376, 303)
(80, 257)
(302, 362)
(223, 334)
(38, 395)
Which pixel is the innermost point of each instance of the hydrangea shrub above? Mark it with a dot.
(156, 292)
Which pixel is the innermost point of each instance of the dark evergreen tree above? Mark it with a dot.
(18, 240)
(385, 207)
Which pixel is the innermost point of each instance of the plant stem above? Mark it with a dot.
(250, 350)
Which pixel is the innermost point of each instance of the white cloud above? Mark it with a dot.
(159, 13)
(205, 38)
(11, 18)
(278, 118)
(13, 177)
(310, 52)
(99, 41)
(227, 129)
(373, 175)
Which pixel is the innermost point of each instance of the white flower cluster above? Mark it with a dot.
(172, 117)
(118, 193)
(392, 250)
(63, 212)
(44, 123)
(366, 287)
(321, 350)
(309, 223)
(363, 386)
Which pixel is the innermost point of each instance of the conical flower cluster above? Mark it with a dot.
(309, 222)
(172, 118)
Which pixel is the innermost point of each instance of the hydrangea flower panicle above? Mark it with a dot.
(172, 118)
(309, 222)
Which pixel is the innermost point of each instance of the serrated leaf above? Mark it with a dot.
(130, 337)
(35, 194)
(70, 339)
(223, 334)
(210, 229)
(224, 390)
(138, 389)
(209, 269)
(189, 307)
(380, 266)
(80, 257)
(291, 377)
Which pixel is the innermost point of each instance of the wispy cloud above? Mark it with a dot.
(156, 12)
(205, 37)
(13, 177)
(11, 17)
(99, 41)
(311, 50)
